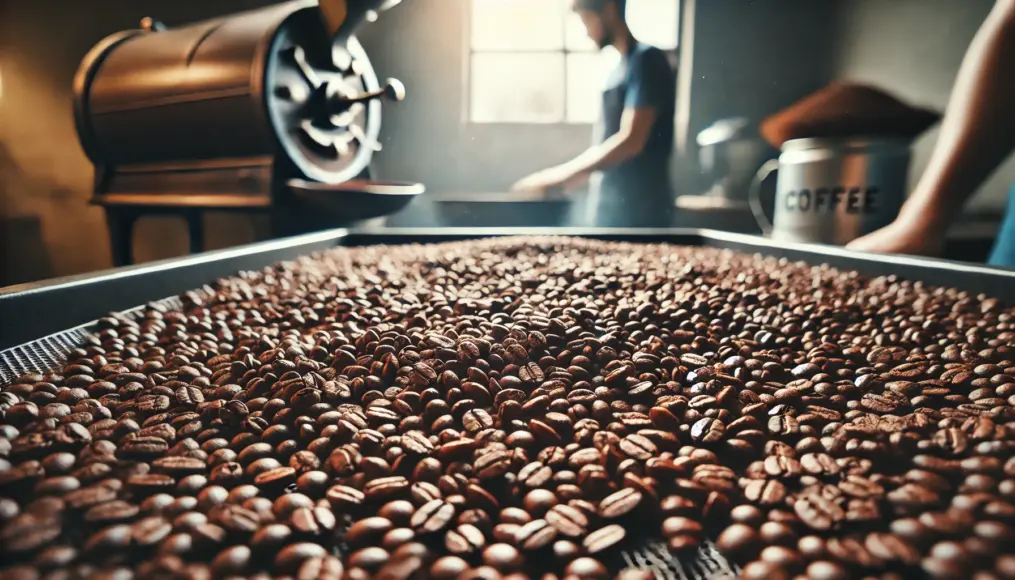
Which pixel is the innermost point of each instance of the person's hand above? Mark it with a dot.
(903, 236)
(547, 181)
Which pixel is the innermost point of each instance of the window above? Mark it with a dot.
(532, 62)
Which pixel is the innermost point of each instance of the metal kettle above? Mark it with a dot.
(729, 153)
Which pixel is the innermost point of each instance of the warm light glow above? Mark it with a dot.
(1, 84)
(532, 61)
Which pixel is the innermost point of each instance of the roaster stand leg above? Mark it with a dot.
(195, 231)
(121, 235)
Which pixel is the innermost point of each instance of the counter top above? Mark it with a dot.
(503, 209)
(513, 209)
(975, 226)
(494, 197)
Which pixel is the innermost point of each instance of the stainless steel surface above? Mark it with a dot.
(356, 199)
(729, 152)
(832, 191)
(491, 197)
(709, 201)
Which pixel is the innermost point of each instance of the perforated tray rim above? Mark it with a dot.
(48, 306)
(46, 354)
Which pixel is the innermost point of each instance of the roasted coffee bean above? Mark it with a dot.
(568, 520)
(505, 532)
(448, 568)
(620, 503)
(291, 558)
(385, 488)
(369, 559)
(87, 497)
(116, 511)
(535, 475)
(492, 464)
(535, 535)
(233, 561)
(680, 526)
(312, 522)
(778, 533)
(235, 519)
(860, 487)
(604, 538)
(638, 447)
(398, 511)
(913, 496)
(890, 548)
(819, 512)
(739, 542)
(368, 530)
(345, 499)
(464, 540)
(36, 535)
(111, 539)
(819, 464)
(502, 557)
(765, 492)
(417, 442)
(271, 538)
(422, 492)
(150, 531)
(537, 502)
(323, 568)
(396, 537)
(708, 430)
(782, 466)
(432, 516)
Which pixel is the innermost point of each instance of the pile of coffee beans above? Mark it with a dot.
(522, 407)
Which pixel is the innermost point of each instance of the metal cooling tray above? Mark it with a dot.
(63, 311)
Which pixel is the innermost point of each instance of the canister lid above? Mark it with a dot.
(867, 143)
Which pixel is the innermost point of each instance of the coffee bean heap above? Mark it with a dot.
(522, 407)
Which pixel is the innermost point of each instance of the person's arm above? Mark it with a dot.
(977, 134)
(629, 141)
(644, 98)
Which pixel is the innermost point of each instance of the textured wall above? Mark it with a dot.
(913, 48)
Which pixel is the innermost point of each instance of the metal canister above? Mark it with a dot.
(832, 191)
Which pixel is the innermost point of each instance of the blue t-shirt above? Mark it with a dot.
(1004, 246)
(643, 79)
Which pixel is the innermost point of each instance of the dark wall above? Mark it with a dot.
(914, 48)
(754, 58)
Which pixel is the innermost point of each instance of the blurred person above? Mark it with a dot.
(633, 139)
(977, 135)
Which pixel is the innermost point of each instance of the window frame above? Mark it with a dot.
(673, 54)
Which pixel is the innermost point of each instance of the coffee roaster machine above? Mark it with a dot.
(274, 110)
